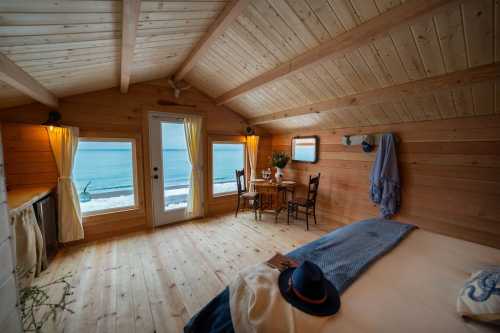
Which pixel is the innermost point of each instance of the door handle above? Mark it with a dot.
(155, 176)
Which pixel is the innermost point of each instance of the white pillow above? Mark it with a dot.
(479, 299)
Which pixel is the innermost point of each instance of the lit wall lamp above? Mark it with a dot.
(54, 120)
(249, 131)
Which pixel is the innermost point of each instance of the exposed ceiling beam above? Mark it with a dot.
(230, 12)
(17, 78)
(130, 15)
(343, 43)
(388, 94)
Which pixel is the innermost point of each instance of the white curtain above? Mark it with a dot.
(64, 142)
(193, 130)
(29, 245)
(253, 150)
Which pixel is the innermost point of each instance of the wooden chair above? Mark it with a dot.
(308, 203)
(245, 195)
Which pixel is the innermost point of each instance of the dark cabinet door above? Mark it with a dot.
(46, 215)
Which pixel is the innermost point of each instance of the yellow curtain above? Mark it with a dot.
(64, 142)
(253, 149)
(193, 130)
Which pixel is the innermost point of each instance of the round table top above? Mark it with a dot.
(263, 182)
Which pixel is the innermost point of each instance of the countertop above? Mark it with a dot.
(20, 198)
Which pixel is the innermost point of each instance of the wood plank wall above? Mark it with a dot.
(264, 153)
(108, 113)
(28, 157)
(450, 176)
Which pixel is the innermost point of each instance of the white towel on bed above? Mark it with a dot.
(257, 305)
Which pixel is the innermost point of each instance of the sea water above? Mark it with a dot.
(111, 170)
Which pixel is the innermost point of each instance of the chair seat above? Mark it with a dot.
(250, 195)
(301, 202)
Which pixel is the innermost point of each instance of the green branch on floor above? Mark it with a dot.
(37, 307)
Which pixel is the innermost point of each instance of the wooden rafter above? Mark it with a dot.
(130, 15)
(226, 17)
(419, 87)
(342, 44)
(17, 78)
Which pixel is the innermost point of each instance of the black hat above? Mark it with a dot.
(306, 288)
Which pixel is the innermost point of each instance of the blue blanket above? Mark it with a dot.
(342, 254)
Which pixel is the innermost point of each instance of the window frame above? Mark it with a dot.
(135, 174)
(245, 163)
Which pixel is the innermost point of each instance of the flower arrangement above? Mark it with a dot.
(279, 159)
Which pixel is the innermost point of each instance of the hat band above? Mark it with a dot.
(305, 298)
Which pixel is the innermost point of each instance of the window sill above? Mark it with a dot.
(113, 215)
(173, 210)
(109, 211)
(222, 195)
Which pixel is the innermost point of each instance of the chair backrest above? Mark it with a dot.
(312, 192)
(241, 181)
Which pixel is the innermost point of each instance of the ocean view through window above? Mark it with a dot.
(104, 171)
(226, 158)
(176, 165)
(104, 174)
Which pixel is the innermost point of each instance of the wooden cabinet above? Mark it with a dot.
(9, 315)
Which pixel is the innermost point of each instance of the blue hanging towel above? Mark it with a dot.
(385, 185)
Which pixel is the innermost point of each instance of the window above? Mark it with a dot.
(105, 176)
(226, 158)
(176, 165)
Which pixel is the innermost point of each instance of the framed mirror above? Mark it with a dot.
(305, 149)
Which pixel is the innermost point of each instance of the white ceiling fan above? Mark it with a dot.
(176, 86)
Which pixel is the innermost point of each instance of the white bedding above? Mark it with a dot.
(413, 288)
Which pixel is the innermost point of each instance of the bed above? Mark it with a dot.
(412, 288)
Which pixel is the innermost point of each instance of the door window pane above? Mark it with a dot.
(104, 175)
(226, 158)
(176, 165)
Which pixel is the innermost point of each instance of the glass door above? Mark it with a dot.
(170, 168)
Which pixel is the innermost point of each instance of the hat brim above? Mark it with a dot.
(328, 308)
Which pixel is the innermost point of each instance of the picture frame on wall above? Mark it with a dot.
(305, 149)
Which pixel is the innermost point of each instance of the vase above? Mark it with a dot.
(279, 175)
(85, 196)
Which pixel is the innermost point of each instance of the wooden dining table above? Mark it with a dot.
(273, 195)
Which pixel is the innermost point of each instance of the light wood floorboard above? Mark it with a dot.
(154, 281)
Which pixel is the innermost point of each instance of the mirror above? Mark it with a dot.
(305, 149)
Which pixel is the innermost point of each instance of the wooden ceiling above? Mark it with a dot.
(282, 64)
(72, 47)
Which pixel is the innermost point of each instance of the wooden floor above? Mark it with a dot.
(155, 281)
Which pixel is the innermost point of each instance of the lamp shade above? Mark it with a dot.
(54, 119)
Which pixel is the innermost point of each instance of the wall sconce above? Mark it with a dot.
(249, 131)
(54, 120)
